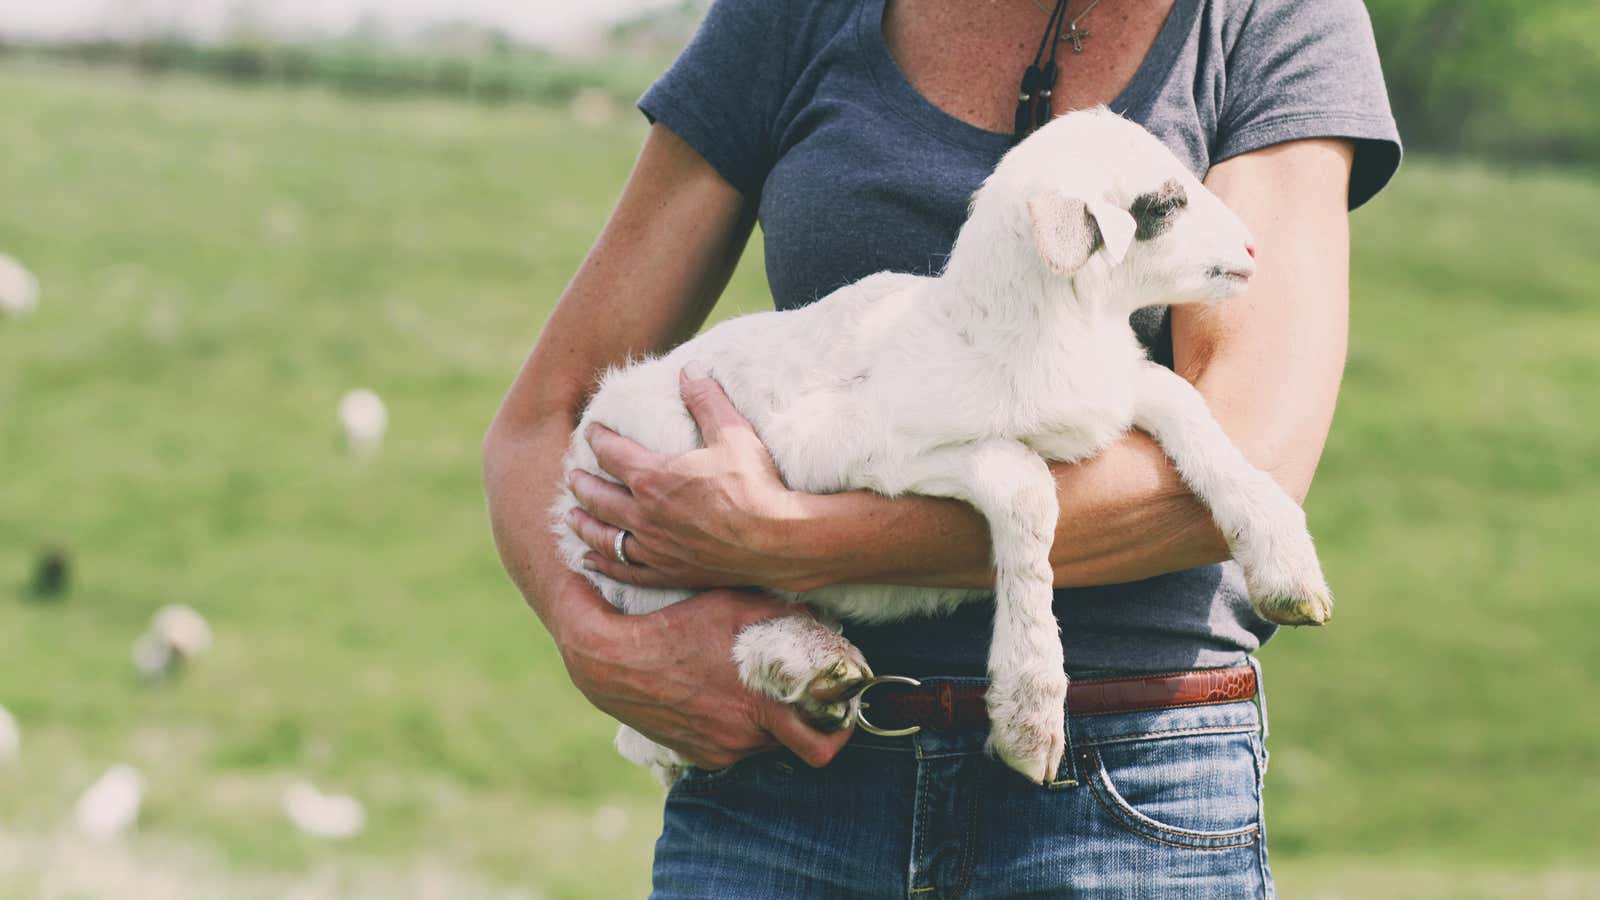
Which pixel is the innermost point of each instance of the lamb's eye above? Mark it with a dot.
(1154, 211)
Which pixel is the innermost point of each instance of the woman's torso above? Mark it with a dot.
(873, 173)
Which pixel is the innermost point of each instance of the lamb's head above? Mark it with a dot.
(1098, 200)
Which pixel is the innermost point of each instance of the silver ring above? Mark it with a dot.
(616, 547)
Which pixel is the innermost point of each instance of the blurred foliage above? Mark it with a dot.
(498, 72)
(1509, 79)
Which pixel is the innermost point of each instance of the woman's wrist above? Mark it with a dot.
(791, 536)
(851, 537)
(580, 621)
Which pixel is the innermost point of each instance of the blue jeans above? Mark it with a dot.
(1162, 803)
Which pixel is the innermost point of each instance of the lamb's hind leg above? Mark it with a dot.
(804, 663)
(1012, 487)
(665, 764)
(1265, 528)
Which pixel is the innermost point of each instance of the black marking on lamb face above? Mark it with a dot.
(1154, 211)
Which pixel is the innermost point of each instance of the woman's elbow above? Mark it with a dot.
(1293, 473)
(1287, 453)
(496, 446)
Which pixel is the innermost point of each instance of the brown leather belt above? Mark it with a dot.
(942, 706)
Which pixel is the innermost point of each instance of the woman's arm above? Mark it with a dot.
(1268, 364)
(648, 282)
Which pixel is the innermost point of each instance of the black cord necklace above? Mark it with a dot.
(1038, 82)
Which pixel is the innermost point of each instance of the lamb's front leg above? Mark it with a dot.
(1265, 528)
(1012, 487)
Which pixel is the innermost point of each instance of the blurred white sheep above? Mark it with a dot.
(153, 658)
(365, 419)
(177, 635)
(110, 805)
(328, 816)
(10, 736)
(185, 630)
(610, 822)
(19, 290)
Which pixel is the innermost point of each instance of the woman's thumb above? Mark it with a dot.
(817, 748)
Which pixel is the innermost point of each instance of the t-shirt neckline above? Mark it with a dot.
(901, 96)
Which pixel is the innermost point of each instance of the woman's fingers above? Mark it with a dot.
(643, 574)
(606, 564)
(708, 403)
(601, 537)
(607, 501)
(622, 458)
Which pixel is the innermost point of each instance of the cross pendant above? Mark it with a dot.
(1076, 36)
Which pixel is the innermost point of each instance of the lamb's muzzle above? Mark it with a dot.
(963, 386)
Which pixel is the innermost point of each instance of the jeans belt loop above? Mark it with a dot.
(1261, 699)
(1071, 774)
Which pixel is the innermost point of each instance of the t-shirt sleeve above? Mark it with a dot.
(1309, 70)
(723, 93)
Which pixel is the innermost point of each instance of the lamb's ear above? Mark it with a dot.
(1116, 228)
(1063, 230)
(1067, 230)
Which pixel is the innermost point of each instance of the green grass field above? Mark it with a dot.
(221, 264)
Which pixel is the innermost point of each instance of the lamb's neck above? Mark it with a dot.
(1010, 309)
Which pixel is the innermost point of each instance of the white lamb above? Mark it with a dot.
(19, 290)
(365, 419)
(962, 386)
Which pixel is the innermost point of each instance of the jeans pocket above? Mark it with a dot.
(1200, 792)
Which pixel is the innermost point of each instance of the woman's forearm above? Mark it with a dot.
(1125, 515)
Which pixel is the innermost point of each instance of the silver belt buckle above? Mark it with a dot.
(861, 707)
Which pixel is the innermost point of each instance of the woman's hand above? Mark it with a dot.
(714, 517)
(670, 675)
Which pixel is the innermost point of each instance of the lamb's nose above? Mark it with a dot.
(1250, 249)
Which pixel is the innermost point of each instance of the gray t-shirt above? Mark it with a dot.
(801, 105)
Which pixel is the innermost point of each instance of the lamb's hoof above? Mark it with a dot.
(1028, 725)
(1293, 601)
(1281, 609)
(1285, 577)
(837, 680)
(828, 701)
